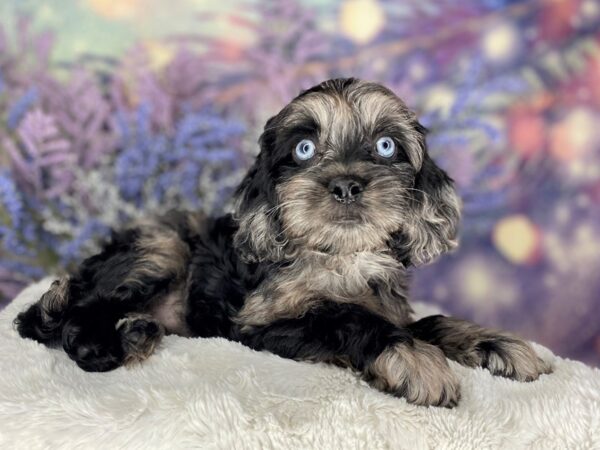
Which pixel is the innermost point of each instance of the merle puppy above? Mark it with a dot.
(312, 265)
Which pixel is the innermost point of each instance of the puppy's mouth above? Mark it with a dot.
(346, 214)
(347, 221)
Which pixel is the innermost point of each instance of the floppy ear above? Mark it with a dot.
(432, 224)
(259, 236)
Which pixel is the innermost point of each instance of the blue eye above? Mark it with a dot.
(386, 147)
(305, 149)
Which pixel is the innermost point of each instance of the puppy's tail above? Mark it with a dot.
(43, 320)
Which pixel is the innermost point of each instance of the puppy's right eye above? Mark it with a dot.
(305, 149)
(386, 147)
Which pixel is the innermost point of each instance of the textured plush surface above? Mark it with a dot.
(211, 393)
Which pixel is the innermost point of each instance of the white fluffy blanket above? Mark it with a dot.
(212, 393)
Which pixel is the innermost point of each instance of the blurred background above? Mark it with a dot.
(114, 109)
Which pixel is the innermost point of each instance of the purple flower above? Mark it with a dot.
(41, 159)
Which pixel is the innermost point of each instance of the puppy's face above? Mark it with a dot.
(344, 168)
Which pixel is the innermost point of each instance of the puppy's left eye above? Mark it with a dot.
(305, 149)
(386, 147)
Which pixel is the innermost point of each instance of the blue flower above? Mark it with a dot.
(155, 163)
(21, 229)
(19, 108)
(22, 269)
(72, 250)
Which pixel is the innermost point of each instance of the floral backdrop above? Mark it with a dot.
(110, 110)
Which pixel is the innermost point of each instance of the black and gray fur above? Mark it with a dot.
(301, 268)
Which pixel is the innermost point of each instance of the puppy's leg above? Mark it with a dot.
(109, 326)
(85, 311)
(100, 337)
(471, 345)
(387, 356)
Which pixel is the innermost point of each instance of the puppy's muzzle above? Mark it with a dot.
(346, 190)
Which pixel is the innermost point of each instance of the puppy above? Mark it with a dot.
(312, 265)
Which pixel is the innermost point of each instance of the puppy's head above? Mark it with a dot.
(344, 168)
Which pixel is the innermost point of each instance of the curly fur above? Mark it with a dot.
(301, 268)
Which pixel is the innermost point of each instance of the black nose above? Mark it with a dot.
(345, 190)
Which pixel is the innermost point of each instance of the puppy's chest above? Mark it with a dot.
(372, 280)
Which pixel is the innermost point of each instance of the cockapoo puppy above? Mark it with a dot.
(312, 264)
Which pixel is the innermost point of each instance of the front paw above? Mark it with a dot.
(510, 357)
(95, 348)
(417, 372)
(140, 334)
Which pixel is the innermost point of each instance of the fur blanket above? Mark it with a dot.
(212, 393)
